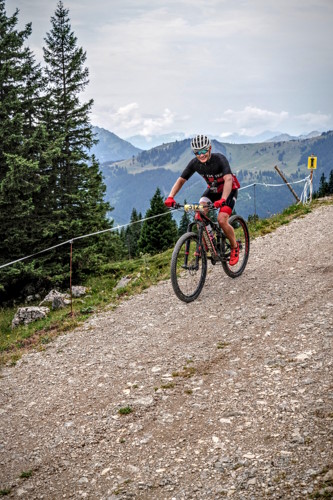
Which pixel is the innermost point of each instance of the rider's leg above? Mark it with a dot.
(223, 218)
(228, 230)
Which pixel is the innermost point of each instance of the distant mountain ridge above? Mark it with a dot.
(251, 156)
(149, 142)
(110, 147)
(131, 183)
(287, 137)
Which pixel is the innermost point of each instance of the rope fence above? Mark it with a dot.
(305, 198)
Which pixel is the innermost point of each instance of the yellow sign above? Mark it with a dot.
(312, 162)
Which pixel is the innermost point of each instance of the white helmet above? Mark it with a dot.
(200, 142)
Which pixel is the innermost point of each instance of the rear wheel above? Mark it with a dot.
(243, 239)
(188, 271)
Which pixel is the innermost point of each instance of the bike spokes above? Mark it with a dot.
(188, 268)
(243, 240)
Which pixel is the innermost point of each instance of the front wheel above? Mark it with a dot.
(188, 270)
(243, 239)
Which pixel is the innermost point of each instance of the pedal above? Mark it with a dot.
(214, 259)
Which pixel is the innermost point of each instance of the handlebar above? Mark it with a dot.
(194, 206)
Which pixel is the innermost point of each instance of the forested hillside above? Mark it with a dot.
(291, 156)
(132, 183)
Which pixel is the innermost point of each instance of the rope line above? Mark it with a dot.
(80, 238)
(273, 185)
(305, 197)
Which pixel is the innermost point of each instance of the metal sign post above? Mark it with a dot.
(312, 165)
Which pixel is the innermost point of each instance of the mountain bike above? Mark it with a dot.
(198, 244)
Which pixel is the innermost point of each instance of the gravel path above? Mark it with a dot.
(231, 396)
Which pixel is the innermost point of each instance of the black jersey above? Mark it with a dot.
(212, 171)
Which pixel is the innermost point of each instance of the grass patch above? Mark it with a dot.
(170, 385)
(26, 474)
(125, 411)
(261, 227)
(143, 272)
(324, 490)
(188, 372)
(222, 345)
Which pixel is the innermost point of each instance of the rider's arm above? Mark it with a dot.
(177, 187)
(227, 188)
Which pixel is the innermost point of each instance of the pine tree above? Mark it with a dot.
(323, 186)
(330, 183)
(76, 188)
(132, 234)
(160, 231)
(21, 84)
(184, 222)
(21, 144)
(12, 80)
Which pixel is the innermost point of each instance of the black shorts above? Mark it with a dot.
(230, 201)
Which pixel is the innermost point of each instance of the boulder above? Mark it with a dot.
(26, 315)
(51, 296)
(78, 291)
(58, 303)
(123, 282)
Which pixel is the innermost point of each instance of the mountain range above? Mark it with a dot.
(149, 142)
(132, 175)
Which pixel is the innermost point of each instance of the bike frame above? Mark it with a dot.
(201, 221)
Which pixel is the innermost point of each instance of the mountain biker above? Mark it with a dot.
(222, 186)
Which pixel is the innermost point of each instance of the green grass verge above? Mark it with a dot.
(101, 295)
(144, 272)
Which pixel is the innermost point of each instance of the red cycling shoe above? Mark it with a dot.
(234, 256)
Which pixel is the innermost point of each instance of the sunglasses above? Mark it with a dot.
(201, 152)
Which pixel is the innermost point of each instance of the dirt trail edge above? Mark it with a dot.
(229, 396)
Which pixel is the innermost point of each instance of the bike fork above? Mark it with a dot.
(197, 254)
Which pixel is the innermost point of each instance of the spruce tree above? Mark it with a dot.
(21, 84)
(330, 183)
(159, 232)
(184, 222)
(12, 80)
(323, 186)
(132, 234)
(21, 145)
(76, 188)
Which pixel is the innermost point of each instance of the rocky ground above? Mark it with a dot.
(229, 396)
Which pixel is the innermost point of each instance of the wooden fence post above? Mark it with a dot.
(285, 180)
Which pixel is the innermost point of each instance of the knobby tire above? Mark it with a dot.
(243, 237)
(188, 283)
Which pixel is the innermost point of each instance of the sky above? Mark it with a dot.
(199, 66)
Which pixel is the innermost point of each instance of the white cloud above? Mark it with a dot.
(178, 65)
(156, 125)
(129, 120)
(126, 117)
(314, 121)
(252, 120)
